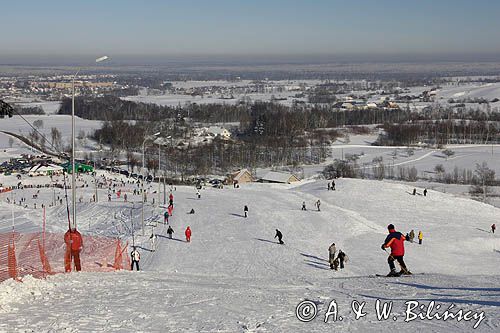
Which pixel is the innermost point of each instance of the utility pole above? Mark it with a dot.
(159, 170)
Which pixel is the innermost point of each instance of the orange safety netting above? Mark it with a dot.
(119, 256)
(33, 254)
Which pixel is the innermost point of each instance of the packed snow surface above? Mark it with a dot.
(234, 277)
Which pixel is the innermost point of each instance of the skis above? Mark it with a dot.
(398, 275)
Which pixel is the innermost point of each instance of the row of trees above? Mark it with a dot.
(440, 132)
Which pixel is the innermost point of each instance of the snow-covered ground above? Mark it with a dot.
(49, 107)
(17, 125)
(234, 277)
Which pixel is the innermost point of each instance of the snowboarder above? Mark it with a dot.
(331, 255)
(170, 231)
(188, 234)
(414, 191)
(420, 237)
(318, 203)
(395, 240)
(280, 236)
(165, 217)
(136, 256)
(342, 258)
(493, 228)
(245, 210)
(412, 235)
(303, 205)
(74, 245)
(425, 192)
(333, 185)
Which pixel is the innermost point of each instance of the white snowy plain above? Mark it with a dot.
(234, 277)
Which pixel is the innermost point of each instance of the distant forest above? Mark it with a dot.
(267, 134)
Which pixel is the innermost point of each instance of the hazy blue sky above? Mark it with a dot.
(270, 27)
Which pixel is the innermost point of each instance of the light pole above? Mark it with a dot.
(73, 179)
(143, 176)
(159, 179)
(166, 174)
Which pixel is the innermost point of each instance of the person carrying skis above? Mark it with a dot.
(170, 231)
(395, 240)
(493, 228)
(136, 256)
(245, 210)
(165, 217)
(420, 237)
(303, 205)
(188, 234)
(318, 203)
(74, 245)
(280, 236)
(331, 255)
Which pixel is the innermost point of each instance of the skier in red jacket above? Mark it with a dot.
(188, 234)
(74, 244)
(395, 240)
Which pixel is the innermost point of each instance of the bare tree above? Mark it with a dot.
(448, 153)
(38, 123)
(56, 137)
(486, 177)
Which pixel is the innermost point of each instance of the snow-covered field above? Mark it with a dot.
(234, 277)
(17, 125)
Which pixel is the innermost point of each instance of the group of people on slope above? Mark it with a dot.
(411, 236)
(336, 261)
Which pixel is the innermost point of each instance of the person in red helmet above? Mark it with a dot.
(395, 240)
(188, 234)
(74, 245)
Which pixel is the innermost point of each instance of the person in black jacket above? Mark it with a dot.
(170, 231)
(341, 257)
(245, 210)
(280, 236)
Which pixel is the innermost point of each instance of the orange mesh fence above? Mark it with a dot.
(118, 256)
(11, 259)
(30, 254)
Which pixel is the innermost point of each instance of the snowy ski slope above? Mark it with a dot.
(234, 277)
